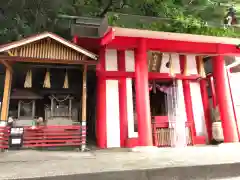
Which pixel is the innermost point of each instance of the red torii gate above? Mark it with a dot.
(142, 41)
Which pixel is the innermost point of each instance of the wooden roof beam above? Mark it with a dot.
(6, 64)
(47, 60)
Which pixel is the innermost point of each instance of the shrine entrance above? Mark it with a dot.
(168, 114)
(46, 85)
(158, 97)
(167, 103)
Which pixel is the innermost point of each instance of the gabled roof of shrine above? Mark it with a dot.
(38, 37)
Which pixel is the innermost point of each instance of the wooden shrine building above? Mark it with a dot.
(33, 67)
(148, 85)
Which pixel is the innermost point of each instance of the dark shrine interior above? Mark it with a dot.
(158, 99)
(57, 76)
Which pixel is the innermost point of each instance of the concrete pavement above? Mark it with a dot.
(208, 162)
(215, 172)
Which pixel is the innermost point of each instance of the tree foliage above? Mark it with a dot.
(19, 18)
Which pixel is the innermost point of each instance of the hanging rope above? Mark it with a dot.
(46, 105)
(158, 87)
(201, 69)
(154, 87)
(61, 100)
(66, 84)
(26, 103)
(47, 81)
(28, 79)
(171, 65)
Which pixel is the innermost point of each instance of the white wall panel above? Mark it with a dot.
(131, 132)
(113, 120)
(198, 112)
(191, 64)
(111, 63)
(129, 61)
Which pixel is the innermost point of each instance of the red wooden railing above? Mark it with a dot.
(4, 137)
(52, 136)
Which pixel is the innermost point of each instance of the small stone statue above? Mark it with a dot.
(11, 121)
(39, 121)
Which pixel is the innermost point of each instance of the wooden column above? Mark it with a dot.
(70, 109)
(52, 106)
(188, 98)
(101, 124)
(84, 107)
(6, 94)
(222, 95)
(33, 108)
(205, 101)
(142, 95)
(212, 87)
(122, 88)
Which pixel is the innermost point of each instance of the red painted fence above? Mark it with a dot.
(47, 136)
(4, 137)
(52, 136)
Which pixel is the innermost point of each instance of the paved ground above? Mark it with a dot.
(166, 163)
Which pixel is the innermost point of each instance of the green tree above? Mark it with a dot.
(196, 17)
(25, 17)
(19, 18)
